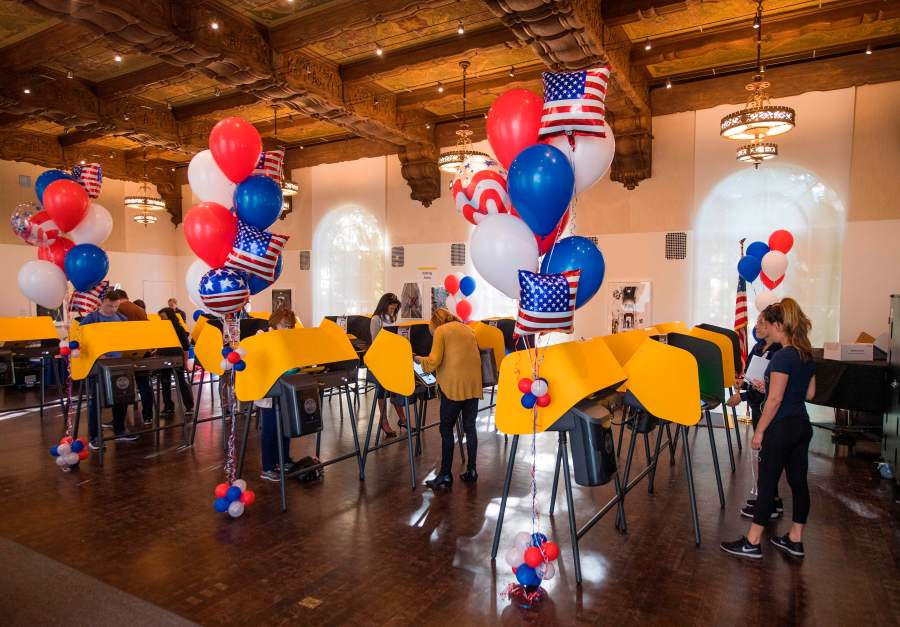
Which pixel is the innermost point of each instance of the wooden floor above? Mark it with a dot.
(375, 553)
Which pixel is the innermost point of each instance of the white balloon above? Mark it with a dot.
(208, 182)
(43, 282)
(546, 571)
(523, 541)
(61, 461)
(94, 228)
(450, 304)
(766, 298)
(72, 459)
(235, 509)
(192, 280)
(539, 387)
(774, 264)
(240, 484)
(500, 246)
(514, 557)
(590, 158)
(64, 449)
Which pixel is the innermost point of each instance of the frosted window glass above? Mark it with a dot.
(751, 204)
(348, 263)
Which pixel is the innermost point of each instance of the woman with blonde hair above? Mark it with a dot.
(456, 361)
(784, 432)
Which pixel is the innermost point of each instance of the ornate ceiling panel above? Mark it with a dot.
(42, 126)
(18, 22)
(275, 12)
(96, 61)
(186, 89)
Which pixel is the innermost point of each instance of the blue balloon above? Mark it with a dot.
(54, 450)
(77, 446)
(221, 505)
(577, 253)
(239, 366)
(537, 539)
(197, 314)
(191, 352)
(528, 400)
(233, 494)
(226, 351)
(749, 267)
(258, 284)
(467, 285)
(758, 250)
(541, 183)
(74, 344)
(257, 201)
(86, 265)
(527, 576)
(50, 176)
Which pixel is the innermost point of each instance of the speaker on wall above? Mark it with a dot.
(398, 256)
(457, 254)
(304, 259)
(676, 245)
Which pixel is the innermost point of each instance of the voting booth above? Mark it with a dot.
(24, 341)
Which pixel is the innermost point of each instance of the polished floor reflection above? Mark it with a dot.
(375, 552)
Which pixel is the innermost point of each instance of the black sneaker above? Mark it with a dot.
(742, 548)
(127, 437)
(95, 445)
(441, 481)
(470, 476)
(779, 505)
(748, 510)
(270, 475)
(787, 545)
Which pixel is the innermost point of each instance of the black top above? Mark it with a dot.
(799, 372)
(749, 394)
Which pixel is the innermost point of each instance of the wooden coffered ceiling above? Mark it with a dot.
(114, 81)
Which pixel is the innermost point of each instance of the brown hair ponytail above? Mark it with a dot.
(796, 325)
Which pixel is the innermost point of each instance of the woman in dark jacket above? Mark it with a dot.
(165, 376)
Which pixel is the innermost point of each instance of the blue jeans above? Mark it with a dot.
(268, 440)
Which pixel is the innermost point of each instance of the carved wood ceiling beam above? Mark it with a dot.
(53, 44)
(141, 80)
(524, 78)
(212, 105)
(618, 12)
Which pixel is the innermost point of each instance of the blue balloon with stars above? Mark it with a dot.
(224, 291)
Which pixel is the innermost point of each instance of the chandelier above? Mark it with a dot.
(144, 202)
(759, 119)
(453, 160)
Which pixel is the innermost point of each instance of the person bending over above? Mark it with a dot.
(784, 432)
(165, 376)
(456, 361)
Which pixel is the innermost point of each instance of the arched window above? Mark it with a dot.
(751, 204)
(348, 263)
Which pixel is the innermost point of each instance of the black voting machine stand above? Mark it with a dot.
(14, 354)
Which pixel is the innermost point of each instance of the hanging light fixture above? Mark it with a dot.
(288, 188)
(463, 154)
(758, 120)
(144, 202)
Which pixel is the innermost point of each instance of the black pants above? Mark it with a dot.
(785, 448)
(165, 380)
(145, 390)
(119, 412)
(755, 415)
(450, 411)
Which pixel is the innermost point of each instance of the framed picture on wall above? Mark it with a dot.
(438, 298)
(282, 299)
(629, 305)
(411, 301)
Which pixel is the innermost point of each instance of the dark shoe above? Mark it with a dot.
(470, 476)
(107, 425)
(168, 409)
(742, 548)
(779, 505)
(748, 510)
(147, 422)
(95, 444)
(787, 545)
(189, 409)
(270, 475)
(127, 437)
(441, 481)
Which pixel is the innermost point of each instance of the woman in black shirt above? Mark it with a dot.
(783, 433)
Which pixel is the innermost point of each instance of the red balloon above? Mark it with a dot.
(543, 401)
(451, 283)
(781, 240)
(769, 283)
(464, 310)
(210, 229)
(67, 203)
(533, 557)
(221, 489)
(551, 550)
(546, 242)
(233, 357)
(513, 122)
(66, 440)
(83, 454)
(235, 146)
(525, 385)
(56, 252)
(248, 497)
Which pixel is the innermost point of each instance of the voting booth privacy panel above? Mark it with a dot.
(96, 340)
(29, 329)
(390, 360)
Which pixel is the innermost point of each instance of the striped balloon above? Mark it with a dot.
(484, 195)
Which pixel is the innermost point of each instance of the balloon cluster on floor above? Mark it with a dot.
(768, 262)
(233, 498)
(70, 452)
(67, 227)
(459, 289)
(531, 559)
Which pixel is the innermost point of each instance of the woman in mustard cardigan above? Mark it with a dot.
(456, 361)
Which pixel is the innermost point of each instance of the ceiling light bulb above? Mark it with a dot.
(26, 90)
(169, 106)
(668, 84)
(512, 70)
(214, 25)
(647, 45)
(70, 74)
(440, 88)
(869, 49)
(218, 92)
(427, 125)
(83, 162)
(378, 50)
(117, 58)
(756, 22)
(460, 29)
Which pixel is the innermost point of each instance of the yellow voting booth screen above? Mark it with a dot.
(665, 381)
(95, 340)
(208, 349)
(390, 360)
(574, 371)
(27, 329)
(490, 338)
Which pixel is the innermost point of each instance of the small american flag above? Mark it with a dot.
(740, 317)
(83, 303)
(546, 302)
(575, 102)
(91, 178)
(223, 291)
(256, 251)
(271, 164)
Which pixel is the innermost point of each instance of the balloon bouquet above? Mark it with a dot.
(553, 149)
(68, 231)
(768, 262)
(459, 289)
(240, 198)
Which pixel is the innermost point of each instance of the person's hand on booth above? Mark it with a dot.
(734, 401)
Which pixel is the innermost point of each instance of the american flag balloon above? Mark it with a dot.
(256, 251)
(482, 193)
(546, 302)
(90, 176)
(83, 303)
(37, 229)
(224, 291)
(271, 164)
(574, 103)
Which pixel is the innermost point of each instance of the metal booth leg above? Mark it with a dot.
(353, 428)
(409, 446)
(659, 431)
(737, 425)
(689, 471)
(98, 403)
(555, 479)
(279, 433)
(728, 435)
(620, 514)
(715, 457)
(506, 483)
(570, 504)
(44, 365)
(365, 451)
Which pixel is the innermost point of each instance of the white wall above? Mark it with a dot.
(871, 271)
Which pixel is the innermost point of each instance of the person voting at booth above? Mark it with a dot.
(456, 361)
(184, 388)
(135, 313)
(386, 316)
(107, 312)
(268, 439)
